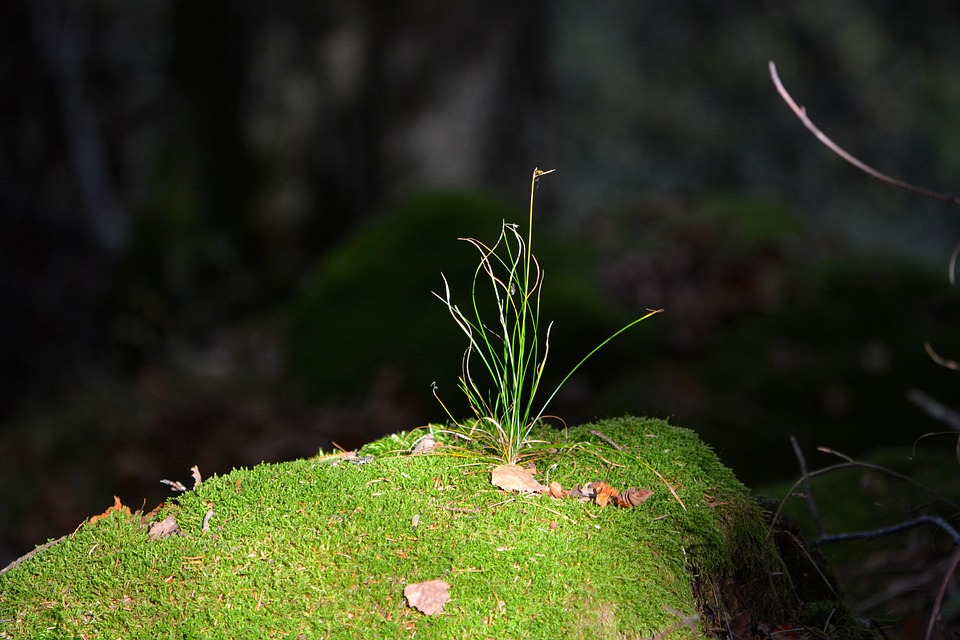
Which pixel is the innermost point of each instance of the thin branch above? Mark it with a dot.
(607, 439)
(938, 602)
(807, 489)
(943, 362)
(801, 113)
(935, 409)
(880, 532)
(850, 462)
(824, 538)
(952, 268)
(62, 36)
(27, 556)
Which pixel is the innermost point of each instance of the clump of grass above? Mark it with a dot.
(511, 349)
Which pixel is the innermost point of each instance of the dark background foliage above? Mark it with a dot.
(220, 224)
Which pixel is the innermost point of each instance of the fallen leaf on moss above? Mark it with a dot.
(605, 493)
(426, 444)
(163, 529)
(510, 477)
(556, 491)
(206, 521)
(583, 494)
(117, 506)
(633, 497)
(427, 597)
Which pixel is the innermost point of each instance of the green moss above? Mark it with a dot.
(753, 219)
(308, 548)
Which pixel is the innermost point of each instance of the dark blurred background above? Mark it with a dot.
(220, 224)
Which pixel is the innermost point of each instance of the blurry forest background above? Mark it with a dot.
(221, 223)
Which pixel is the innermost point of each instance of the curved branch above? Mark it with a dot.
(801, 113)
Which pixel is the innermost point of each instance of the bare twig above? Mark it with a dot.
(935, 613)
(943, 362)
(870, 534)
(932, 407)
(807, 490)
(952, 268)
(668, 485)
(850, 462)
(607, 439)
(825, 538)
(27, 556)
(935, 409)
(62, 32)
(801, 113)
(689, 622)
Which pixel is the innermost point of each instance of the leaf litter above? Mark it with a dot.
(179, 487)
(510, 477)
(427, 597)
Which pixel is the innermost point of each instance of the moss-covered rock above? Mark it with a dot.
(324, 547)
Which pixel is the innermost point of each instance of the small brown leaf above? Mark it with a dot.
(117, 506)
(605, 493)
(206, 521)
(510, 477)
(426, 444)
(633, 497)
(556, 491)
(163, 529)
(583, 494)
(427, 597)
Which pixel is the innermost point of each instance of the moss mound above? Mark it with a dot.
(324, 547)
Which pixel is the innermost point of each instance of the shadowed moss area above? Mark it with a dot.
(314, 549)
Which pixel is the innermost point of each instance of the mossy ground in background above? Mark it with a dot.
(382, 277)
(311, 549)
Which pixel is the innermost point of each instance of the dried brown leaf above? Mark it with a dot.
(633, 497)
(163, 529)
(427, 597)
(605, 493)
(556, 491)
(583, 494)
(117, 506)
(206, 521)
(510, 477)
(426, 444)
